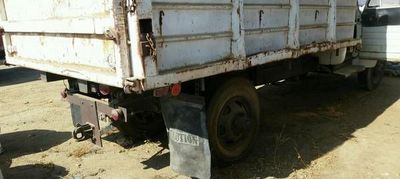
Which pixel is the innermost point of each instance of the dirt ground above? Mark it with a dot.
(321, 127)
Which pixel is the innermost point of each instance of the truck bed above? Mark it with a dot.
(157, 43)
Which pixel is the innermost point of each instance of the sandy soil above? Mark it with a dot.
(322, 127)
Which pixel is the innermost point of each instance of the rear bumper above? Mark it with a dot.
(88, 111)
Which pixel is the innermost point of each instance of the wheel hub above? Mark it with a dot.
(234, 123)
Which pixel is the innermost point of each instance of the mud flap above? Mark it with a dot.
(185, 119)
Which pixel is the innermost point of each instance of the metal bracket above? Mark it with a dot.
(132, 5)
(87, 110)
(85, 114)
(133, 86)
(111, 34)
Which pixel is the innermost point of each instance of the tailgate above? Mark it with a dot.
(84, 39)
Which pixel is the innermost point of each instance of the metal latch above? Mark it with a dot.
(131, 6)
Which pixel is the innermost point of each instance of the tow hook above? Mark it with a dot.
(83, 132)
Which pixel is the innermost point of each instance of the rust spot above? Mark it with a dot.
(226, 60)
(249, 63)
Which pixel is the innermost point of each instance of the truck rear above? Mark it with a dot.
(191, 65)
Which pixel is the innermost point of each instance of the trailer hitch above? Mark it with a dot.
(83, 132)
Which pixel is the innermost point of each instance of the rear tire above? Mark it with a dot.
(233, 120)
(371, 78)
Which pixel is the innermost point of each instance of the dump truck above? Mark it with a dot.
(190, 67)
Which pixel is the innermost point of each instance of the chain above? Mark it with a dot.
(153, 50)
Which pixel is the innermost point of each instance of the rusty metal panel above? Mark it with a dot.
(192, 33)
(80, 39)
(193, 39)
(346, 16)
(313, 21)
(266, 24)
(234, 65)
(102, 40)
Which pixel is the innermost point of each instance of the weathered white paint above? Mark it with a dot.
(66, 37)
(345, 19)
(331, 33)
(381, 43)
(190, 33)
(294, 24)
(238, 46)
(194, 39)
(137, 65)
(73, 25)
(234, 65)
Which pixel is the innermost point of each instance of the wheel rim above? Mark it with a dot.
(235, 126)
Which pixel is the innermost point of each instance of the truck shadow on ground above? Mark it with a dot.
(30, 142)
(158, 161)
(304, 120)
(301, 122)
(8, 77)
